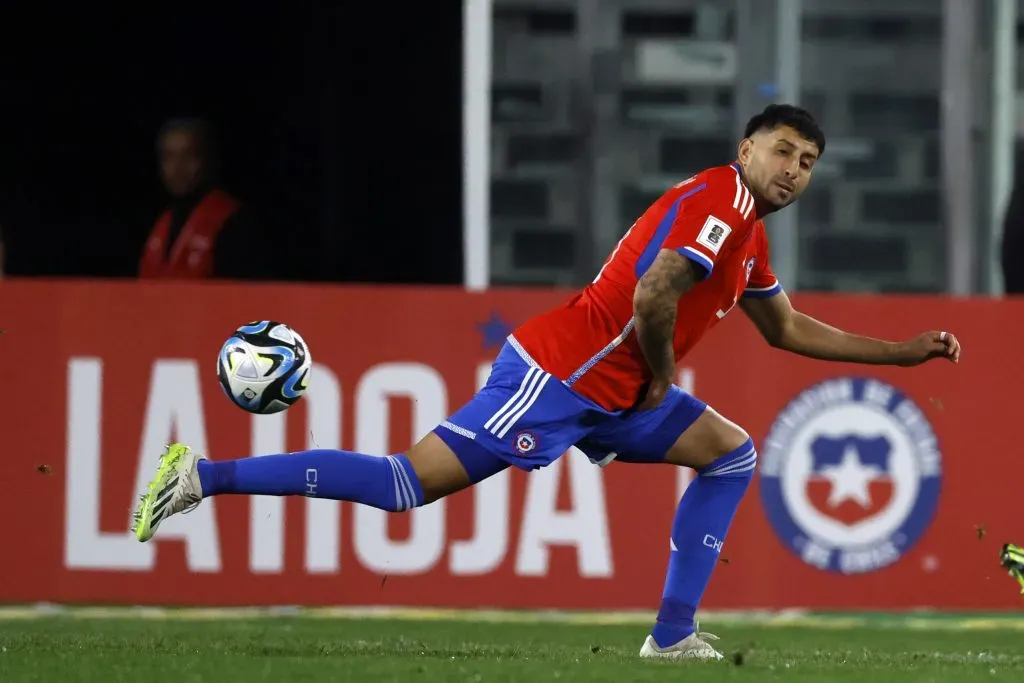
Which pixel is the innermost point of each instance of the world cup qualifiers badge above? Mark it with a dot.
(851, 474)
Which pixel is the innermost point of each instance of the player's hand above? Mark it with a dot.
(928, 346)
(656, 392)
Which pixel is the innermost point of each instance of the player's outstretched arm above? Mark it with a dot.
(789, 329)
(654, 309)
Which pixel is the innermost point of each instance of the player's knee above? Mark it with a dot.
(729, 437)
(735, 455)
(406, 489)
(711, 438)
(401, 487)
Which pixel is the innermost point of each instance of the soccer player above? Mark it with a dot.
(597, 373)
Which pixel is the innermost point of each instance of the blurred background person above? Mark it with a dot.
(204, 232)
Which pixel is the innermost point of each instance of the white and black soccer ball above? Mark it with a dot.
(264, 367)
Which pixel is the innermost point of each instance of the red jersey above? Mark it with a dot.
(589, 342)
(191, 256)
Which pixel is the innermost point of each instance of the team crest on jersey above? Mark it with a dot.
(525, 442)
(750, 266)
(850, 476)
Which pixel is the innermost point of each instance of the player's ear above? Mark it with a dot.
(744, 150)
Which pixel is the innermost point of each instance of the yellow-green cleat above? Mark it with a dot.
(1011, 557)
(174, 489)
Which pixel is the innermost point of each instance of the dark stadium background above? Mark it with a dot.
(339, 125)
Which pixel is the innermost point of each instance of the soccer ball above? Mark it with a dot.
(264, 367)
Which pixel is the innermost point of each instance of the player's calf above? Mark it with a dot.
(386, 483)
(395, 483)
(703, 518)
(392, 483)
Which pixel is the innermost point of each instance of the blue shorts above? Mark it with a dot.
(529, 418)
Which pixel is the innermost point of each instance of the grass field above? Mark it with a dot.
(194, 646)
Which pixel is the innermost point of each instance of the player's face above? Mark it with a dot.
(778, 164)
(181, 164)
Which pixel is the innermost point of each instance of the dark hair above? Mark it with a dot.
(800, 120)
(199, 128)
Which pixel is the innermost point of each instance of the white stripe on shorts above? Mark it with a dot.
(529, 390)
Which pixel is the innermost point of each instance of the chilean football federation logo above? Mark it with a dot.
(850, 475)
(525, 442)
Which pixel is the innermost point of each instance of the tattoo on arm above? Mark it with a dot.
(654, 308)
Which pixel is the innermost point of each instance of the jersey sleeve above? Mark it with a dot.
(762, 283)
(705, 219)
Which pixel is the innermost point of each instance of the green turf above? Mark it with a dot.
(65, 648)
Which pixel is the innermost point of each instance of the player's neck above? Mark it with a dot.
(762, 207)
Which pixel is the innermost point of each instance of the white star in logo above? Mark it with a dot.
(850, 479)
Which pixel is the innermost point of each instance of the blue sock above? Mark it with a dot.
(387, 483)
(702, 521)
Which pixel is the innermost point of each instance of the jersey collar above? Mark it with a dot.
(739, 170)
